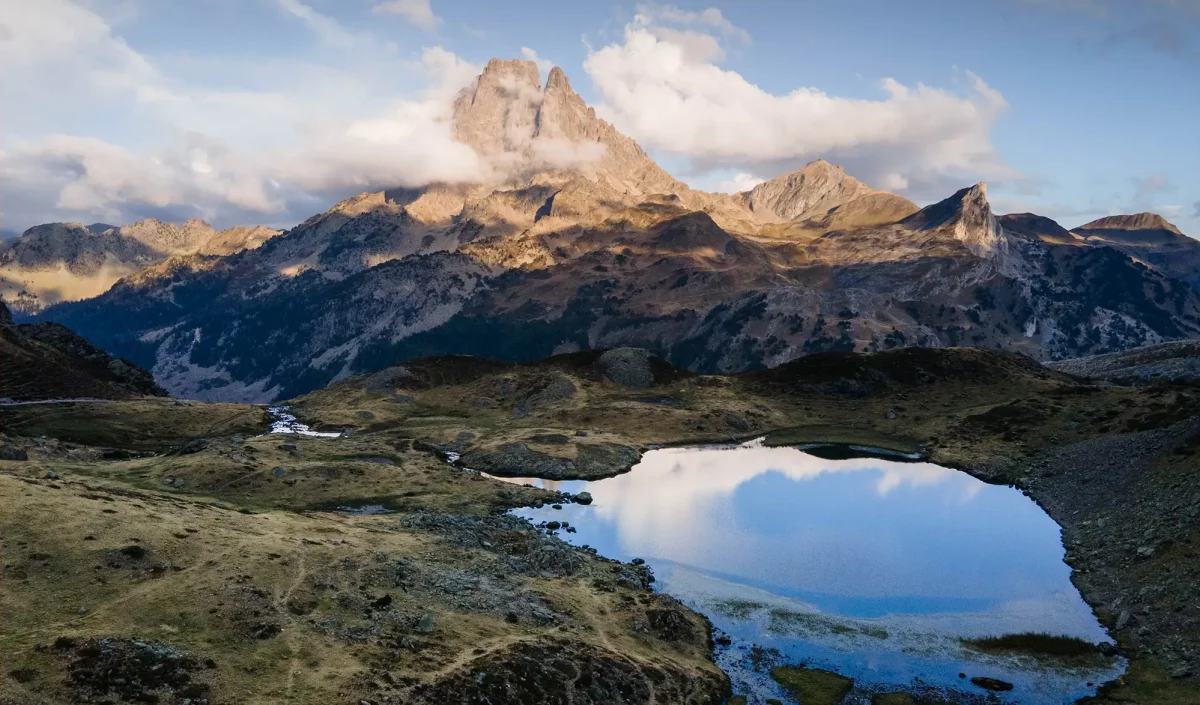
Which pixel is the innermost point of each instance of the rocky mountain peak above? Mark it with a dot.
(523, 129)
(1036, 226)
(810, 192)
(1137, 221)
(967, 216)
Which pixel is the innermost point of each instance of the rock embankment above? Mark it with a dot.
(1177, 361)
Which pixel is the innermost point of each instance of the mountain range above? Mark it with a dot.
(580, 240)
(59, 262)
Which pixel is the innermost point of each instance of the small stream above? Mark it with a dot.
(872, 568)
(285, 422)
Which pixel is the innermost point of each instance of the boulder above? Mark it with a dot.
(628, 367)
(8, 451)
(992, 684)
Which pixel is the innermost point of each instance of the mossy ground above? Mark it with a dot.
(1042, 646)
(813, 686)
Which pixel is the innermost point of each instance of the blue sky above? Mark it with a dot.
(270, 110)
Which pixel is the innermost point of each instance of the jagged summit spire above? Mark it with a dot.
(521, 129)
(968, 216)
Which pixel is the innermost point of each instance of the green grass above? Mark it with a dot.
(1033, 643)
(812, 686)
(738, 609)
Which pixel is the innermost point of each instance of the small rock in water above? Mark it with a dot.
(993, 684)
(583, 498)
(553, 526)
(556, 506)
(723, 640)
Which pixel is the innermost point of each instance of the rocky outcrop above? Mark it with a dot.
(1177, 361)
(591, 462)
(967, 217)
(628, 367)
(541, 673)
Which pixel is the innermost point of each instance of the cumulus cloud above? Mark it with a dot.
(418, 12)
(689, 30)
(917, 139)
(741, 181)
(270, 155)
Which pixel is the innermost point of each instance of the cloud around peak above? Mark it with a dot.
(674, 98)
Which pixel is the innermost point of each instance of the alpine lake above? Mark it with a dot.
(837, 579)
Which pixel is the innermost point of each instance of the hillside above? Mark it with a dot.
(48, 361)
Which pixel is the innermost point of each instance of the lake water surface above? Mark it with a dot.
(871, 568)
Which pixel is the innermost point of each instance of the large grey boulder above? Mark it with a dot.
(628, 367)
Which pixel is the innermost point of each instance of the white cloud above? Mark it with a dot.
(275, 154)
(326, 29)
(418, 12)
(689, 30)
(741, 181)
(711, 18)
(918, 139)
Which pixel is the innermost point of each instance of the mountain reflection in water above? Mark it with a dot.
(870, 567)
